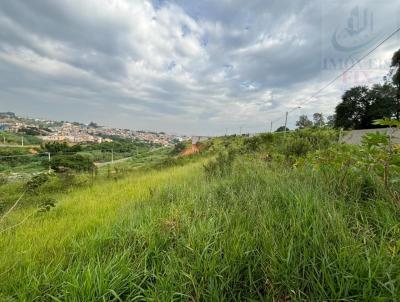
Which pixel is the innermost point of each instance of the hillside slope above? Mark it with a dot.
(256, 230)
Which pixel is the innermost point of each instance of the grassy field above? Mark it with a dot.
(249, 229)
(16, 139)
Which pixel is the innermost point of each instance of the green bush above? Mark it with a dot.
(252, 144)
(57, 147)
(297, 147)
(75, 162)
(46, 204)
(36, 182)
(178, 148)
(12, 157)
(221, 165)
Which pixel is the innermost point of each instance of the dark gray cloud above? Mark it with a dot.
(186, 66)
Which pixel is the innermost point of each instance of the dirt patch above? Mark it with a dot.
(191, 150)
(33, 151)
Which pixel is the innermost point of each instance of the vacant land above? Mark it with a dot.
(265, 218)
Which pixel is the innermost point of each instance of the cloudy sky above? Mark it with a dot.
(191, 67)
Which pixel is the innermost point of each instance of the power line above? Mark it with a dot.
(349, 68)
(342, 74)
(22, 155)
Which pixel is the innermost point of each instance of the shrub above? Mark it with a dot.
(56, 147)
(36, 182)
(221, 165)
(46, 204)
(267, 138)
(297, 147)
(178, 148)
(75, 162)
(252, 144)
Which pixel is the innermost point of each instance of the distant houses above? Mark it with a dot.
(4, 127)
(75, 139)
(75, 133)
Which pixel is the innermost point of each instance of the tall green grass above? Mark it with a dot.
(255, 233)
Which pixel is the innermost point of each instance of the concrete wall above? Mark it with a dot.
(354, 137)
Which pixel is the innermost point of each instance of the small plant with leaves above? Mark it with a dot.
(47, 204)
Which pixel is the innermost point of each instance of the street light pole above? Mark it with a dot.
(286, 116)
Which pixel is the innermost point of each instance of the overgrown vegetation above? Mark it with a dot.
(10, 138)
(64, 156)
(275, 217)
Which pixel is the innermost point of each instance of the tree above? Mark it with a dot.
(304, 122)
(93, 125)
(396, 79)
(74, 162)
(352, 112)
(396, 68)
(282, 129)
(383, 102)
(331, 121)
(319, 119)
(361, 105)
(63, 147)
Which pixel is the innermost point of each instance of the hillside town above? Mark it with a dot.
(75, 133)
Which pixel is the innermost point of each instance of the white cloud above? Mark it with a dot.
(179, 66)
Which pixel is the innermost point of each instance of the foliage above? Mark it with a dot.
(33, 131)
(303, 122)
(375, 164)
(318, 119)
(396, 64)
(253, 234)
(36, 182)
(178, 148)
(74, 162)
(302, 141)
(352, 112)
(61, 147)
(16, 138)
(232, 227)
(297, 147)
(47, 204)
(12, 157)
(282, 129)
(330, 121)
(221, 165)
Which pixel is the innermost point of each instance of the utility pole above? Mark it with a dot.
(240, 133)
(270, 129)
(22, 141)
(320, 121)
(112, 155)
(49, 157)
(286, 115)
